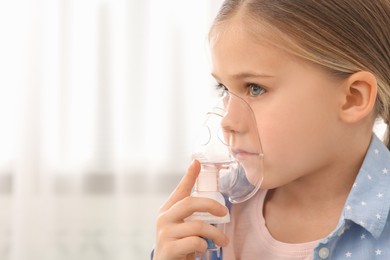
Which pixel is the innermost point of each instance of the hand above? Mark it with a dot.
(179, 240)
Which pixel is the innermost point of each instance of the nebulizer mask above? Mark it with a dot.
(229, 151)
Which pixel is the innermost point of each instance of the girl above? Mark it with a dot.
(316, 74)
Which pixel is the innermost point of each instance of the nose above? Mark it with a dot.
(234, 114)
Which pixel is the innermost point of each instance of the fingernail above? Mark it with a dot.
(225, 242)
(226, 210)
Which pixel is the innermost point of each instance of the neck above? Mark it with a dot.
(314, 202)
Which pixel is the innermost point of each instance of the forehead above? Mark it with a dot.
(235, 47)
(236, 52)
(256, 28)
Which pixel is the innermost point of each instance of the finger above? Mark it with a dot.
(187, 206)
(187, 246)
(184, 188)
(199, 228)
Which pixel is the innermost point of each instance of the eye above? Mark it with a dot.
(221, 89)
(255, 90)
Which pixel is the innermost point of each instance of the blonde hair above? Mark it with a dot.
(341, 36)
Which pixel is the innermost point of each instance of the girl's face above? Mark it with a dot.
(295, 104)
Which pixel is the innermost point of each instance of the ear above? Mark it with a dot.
(360, 91)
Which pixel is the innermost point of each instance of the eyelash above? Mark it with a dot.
(222, 89)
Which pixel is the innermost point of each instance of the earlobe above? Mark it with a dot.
(360, 91)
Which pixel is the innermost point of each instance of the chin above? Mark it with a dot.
(271, 183)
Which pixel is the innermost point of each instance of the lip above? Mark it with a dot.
(239, 153)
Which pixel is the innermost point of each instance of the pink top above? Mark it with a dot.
(250, 238)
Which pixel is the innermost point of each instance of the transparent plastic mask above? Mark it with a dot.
(229, 146)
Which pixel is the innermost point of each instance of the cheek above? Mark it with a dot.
(281, 137)
(283, 126)
(292, 135)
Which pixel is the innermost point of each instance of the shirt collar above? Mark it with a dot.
(369, 200)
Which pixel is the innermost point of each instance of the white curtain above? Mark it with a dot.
(99, 102)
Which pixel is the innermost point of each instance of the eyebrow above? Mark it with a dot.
(245, 75)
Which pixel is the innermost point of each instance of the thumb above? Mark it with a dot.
(184, 188)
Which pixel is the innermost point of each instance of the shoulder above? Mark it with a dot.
(364, 227)
(368, 203)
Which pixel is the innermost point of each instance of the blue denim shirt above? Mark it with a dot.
(363, 231)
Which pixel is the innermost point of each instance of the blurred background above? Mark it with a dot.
(100, 101)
